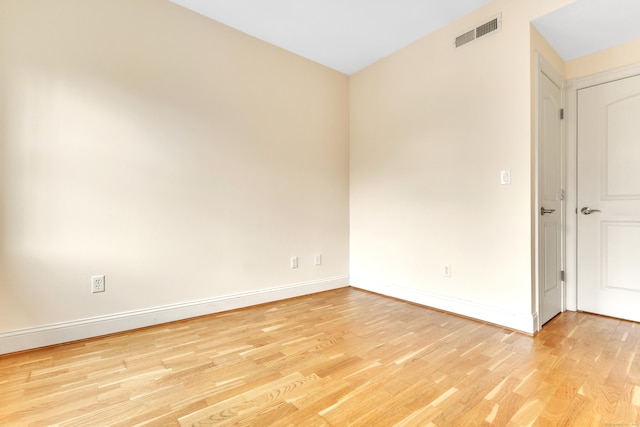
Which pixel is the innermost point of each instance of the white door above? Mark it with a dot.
(550, 198)
(609, 199)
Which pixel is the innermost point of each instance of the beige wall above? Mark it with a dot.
(431, 129)
(616, 57)
(541, 46)
(181, 158)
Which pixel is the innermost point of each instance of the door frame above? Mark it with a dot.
(543, 67)
(571, 200)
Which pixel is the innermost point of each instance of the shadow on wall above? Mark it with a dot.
(175, 157)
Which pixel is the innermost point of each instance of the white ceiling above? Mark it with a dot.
(588, 26)
(349, 35)
(346, 35)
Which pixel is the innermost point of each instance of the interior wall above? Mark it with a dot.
(181, 158)
(540, 45)
(431, 129)
(624, 55)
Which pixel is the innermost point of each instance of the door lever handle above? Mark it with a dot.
(546, 211)
(588, 211)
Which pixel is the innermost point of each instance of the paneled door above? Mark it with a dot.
(550, 194)
(609, 199)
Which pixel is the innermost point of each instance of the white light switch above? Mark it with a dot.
(505, 177)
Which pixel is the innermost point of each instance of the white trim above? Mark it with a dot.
(30, 338)
(517, 321)
(571, 266)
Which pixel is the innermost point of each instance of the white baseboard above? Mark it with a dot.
(536, 322)
(41, 336)
(511, 320)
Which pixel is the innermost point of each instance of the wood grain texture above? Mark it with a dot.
(338, 358)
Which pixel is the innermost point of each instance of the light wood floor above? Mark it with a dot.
(338, 358)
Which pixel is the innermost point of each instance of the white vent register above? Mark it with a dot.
(481, 30)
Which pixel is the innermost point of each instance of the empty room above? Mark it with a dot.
(319, 213)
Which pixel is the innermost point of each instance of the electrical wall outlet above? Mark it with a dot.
(446, 270)
(97, 284)
(294, 262)
(318, 259)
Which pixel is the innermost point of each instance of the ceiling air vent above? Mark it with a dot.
(481, 30)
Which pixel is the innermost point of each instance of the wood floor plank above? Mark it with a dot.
(338, 358)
